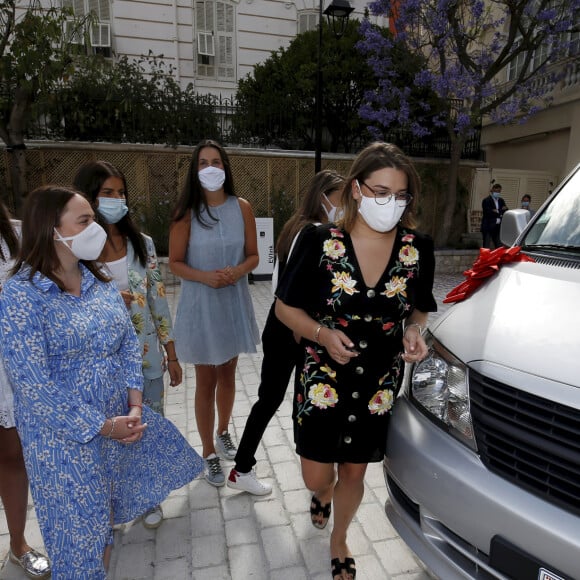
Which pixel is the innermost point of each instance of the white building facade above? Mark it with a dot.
(210, 44)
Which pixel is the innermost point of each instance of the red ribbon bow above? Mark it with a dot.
(486, 265)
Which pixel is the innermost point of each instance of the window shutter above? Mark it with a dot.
(225, 33)
(205, 44)
(101, 34)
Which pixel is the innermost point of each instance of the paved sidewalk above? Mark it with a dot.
(220, 534)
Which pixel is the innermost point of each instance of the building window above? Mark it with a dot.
(575, 36)
(215, 40)
(516, 66)
(307, 20)
(98, 26)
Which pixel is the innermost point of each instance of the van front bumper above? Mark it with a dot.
(448, 508)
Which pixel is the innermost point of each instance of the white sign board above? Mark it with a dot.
(265, 230)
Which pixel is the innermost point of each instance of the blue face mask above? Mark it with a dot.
(495, 194)
(112, 209)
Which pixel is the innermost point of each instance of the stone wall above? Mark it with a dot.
(454, 261)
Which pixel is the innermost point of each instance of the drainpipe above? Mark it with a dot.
(176, 41)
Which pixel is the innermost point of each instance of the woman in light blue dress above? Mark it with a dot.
(94, 454)
(212, 248)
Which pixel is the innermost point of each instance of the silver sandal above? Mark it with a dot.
(34, 564)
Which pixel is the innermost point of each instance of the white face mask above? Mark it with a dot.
(381, 218)
(334, 213)
(88, 244)
(212, 178)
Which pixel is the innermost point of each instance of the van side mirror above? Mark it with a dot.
(513, 223)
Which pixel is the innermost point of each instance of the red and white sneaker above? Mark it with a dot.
(248, 482)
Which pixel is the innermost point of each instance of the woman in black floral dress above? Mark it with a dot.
(359, 293)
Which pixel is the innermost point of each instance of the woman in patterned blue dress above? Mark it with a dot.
(359, 293)
(94, 455)
(213, 247)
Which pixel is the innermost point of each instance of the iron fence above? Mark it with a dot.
(210, 116)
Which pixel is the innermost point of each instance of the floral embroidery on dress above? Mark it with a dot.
(343, 282)
(333, 248)
(387, 324)
(319, 394)
(381, 403)
(323, 395)
(406, 267)
(334, 255)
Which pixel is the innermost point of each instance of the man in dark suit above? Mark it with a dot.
(493, 209)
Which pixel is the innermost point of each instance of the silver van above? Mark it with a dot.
(483, 454)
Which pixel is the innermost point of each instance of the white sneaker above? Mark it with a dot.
(153, 517)
(248, 482)
(225, 447)
(213, 471)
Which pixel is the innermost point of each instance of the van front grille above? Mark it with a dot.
(532, 442)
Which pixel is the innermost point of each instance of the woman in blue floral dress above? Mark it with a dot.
(359, 293)
(94, 455)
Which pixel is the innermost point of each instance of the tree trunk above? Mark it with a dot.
(13, 135)
(444, 228)
(17, 162)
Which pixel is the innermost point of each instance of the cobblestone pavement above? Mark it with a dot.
(214, 534)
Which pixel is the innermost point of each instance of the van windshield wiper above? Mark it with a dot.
(551, 247)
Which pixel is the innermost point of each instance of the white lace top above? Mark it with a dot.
(6, 400)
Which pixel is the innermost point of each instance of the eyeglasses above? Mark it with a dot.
(383, 196)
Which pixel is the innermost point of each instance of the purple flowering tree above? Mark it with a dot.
(501, 60)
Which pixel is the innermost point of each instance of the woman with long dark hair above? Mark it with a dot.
(320, 203)
(132, 261)
(13, 477)
(212, 248)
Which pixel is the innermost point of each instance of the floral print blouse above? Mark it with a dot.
(149, 310)
(341, 412)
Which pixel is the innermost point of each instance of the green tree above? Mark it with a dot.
(33, 56)
(136, 101)
(276, 101)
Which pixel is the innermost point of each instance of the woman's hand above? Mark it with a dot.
(414, 344)
(127, 297)
(175, 372)
(232, 273)
(216, 279)
(124, 428)
(337, 344)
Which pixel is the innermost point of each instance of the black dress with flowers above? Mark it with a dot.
(341, 413)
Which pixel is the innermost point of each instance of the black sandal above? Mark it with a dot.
(350, 567)
(317, 509)
(337, 567)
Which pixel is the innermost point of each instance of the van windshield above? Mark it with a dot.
(558, 226)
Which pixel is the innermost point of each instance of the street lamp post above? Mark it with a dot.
(337, 14)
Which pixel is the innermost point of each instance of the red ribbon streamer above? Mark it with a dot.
(486, 265)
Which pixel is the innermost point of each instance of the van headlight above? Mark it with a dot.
(439, 386)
